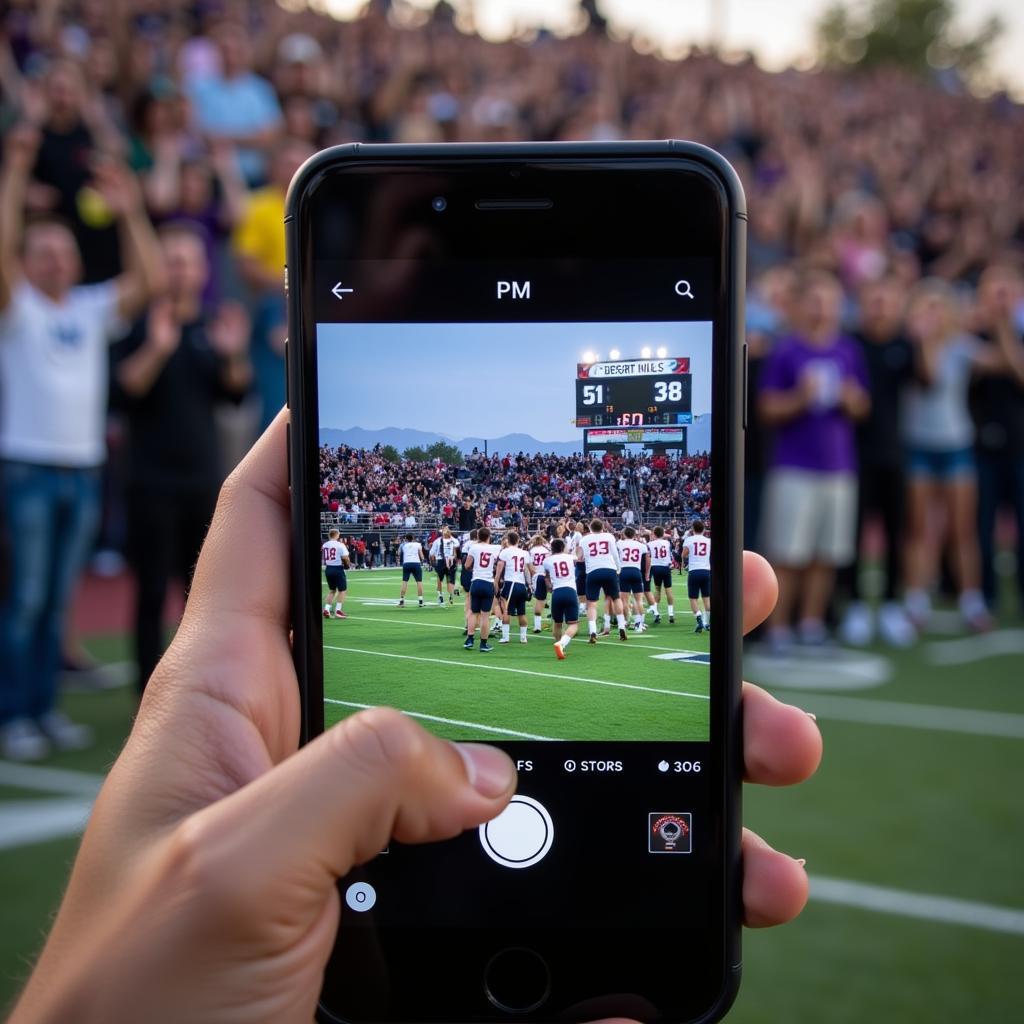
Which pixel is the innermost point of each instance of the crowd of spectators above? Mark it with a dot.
(870, 195)
(364, 486)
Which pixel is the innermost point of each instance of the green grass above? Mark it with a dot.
(920, 811)
(413, 659)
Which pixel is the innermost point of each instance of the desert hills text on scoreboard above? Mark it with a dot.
(634, 393)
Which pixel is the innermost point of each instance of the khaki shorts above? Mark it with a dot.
(810, 517)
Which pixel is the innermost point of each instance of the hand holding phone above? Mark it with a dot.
(194, 856)
(571, 308)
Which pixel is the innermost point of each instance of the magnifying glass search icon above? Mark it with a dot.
(683, 289)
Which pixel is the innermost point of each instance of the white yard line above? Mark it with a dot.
(49, 780)
(932, 717)
(451, 721)
(970, 649)
(942, 909)
(23, 822)
(477, 664)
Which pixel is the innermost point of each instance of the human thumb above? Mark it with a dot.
(336, 802)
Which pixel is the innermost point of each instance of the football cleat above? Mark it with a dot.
(522, 640)
(536, 631)
(503, 641)
(699, 628)
(657, 620)
(456, 591)
(606, 631)
(339, 614)
(559, 652)
(327, 614)
(440, 600)
(401, 604)
(592, 639)
(622, 634)
(671, 619)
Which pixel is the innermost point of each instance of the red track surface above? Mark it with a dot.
(106, 605)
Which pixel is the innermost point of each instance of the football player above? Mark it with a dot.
(482, 559)
(560, 570)
(411, 557)
(602, 567)
(335, 557)
(697, 553)
(513, 567)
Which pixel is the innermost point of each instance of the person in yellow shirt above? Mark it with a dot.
(258, 244)
(259, 238)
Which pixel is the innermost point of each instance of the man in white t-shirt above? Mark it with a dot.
(54, 335)
(411, 560)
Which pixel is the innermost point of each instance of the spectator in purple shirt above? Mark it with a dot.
(813, 389)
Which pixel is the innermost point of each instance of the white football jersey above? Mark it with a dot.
(538, 553)
(699, 549)
(572, 542)
(515, 560)
(661, 551)
(435, 548)
(485, 556)
(334, 553)
(599, 552)
(561, 570)
(412, 551)
(631, 552)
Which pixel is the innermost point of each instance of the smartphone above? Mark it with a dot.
(541, 341)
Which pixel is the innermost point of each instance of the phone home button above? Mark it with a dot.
(517, 980)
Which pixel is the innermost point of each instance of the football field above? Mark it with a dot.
(913, 828)
(654, 686)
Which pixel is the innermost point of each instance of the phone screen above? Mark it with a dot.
(519, 539)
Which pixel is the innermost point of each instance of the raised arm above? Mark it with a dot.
(20, 147)
(143, 274)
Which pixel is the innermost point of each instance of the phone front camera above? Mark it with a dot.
(439, 203)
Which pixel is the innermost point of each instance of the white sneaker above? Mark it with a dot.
(975, 611)
(858, 627)
(523, 640)
(21, 740)
(918, 605)
(894, 627)
(812, 633)
(503, 641)
(63, 733)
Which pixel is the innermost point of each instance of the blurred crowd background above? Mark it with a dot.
(149, 143)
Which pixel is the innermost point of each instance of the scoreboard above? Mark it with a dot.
(634, 393)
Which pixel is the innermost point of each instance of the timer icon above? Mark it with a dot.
(663, 766)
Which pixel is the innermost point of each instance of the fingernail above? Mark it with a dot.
(489, 770)
(802, 861)
(811, 715)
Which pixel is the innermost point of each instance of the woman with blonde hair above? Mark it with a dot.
(940, 447)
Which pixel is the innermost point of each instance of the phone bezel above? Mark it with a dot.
(729, 380)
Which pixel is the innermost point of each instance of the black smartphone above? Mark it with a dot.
(529, 354)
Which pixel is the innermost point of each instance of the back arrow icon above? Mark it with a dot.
(338, 292)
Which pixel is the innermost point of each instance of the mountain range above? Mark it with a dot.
(698, 440)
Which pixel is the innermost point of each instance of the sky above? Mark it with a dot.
(498, 378)
(779, 32)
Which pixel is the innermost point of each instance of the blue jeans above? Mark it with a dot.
(51, 515)
(1000, 479)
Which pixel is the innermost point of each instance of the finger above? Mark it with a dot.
(781, 743)
(243, 569)
(760, 590)
(336, 803)
(774, 885)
